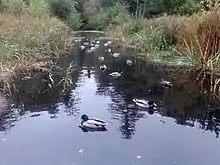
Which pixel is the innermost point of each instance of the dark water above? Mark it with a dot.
(183, 130)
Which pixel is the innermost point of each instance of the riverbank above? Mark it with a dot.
(32, 42)
(179, 40)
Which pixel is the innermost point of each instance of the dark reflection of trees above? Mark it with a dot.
(8, 119)
(126, 113)
(184, 102)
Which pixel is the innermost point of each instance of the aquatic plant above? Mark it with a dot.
(67, 78)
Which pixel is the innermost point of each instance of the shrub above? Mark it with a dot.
(62, 8)
(38, 8)
(74, 21)
(200, 38)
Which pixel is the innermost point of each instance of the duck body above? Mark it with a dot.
(109, 42)
(115, 55)
(92, 123)
(166, 83)
(105, 44)
(101, 59)
(115, 74)
(144, 103)
(82, 47)
(103, 68)
(129, 62)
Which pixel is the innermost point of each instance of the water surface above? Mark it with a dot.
(183, 130)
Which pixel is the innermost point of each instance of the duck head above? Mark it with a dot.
(84, 117)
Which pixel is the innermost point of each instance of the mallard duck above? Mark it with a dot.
(92, 123)
(115, 55)
(129, 62)
(82, 47)
(144, 103)
(116, 74)
(103, 68)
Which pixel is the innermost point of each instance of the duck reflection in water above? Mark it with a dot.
(89, 73)
(150, 111)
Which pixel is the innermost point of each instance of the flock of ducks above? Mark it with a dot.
(92, 46)
(95, 124)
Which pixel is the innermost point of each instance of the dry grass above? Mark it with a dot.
(28, 45)
(200, 38)
(25, 37)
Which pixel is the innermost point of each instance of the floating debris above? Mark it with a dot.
(139, 157)
(4, 139)
(81, 151)
(162, 121)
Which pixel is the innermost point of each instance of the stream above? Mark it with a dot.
(183, 130)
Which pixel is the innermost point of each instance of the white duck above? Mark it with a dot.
(103, 68)
(166, 83)
(109, 42)
(82, 47)
(93, 123)
(96, 45)
(129, 62)
(144, 103)
(116, 74)
(115, 55)
(101, 59)
(97, 42)
(105, 44)
(86, 43)
(109, 50)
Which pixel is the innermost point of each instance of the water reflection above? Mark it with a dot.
(183, 102)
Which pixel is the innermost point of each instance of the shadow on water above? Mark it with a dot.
(183, 102)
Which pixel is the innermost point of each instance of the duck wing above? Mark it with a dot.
(95, 123)
(98, 120)
(140, 101)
